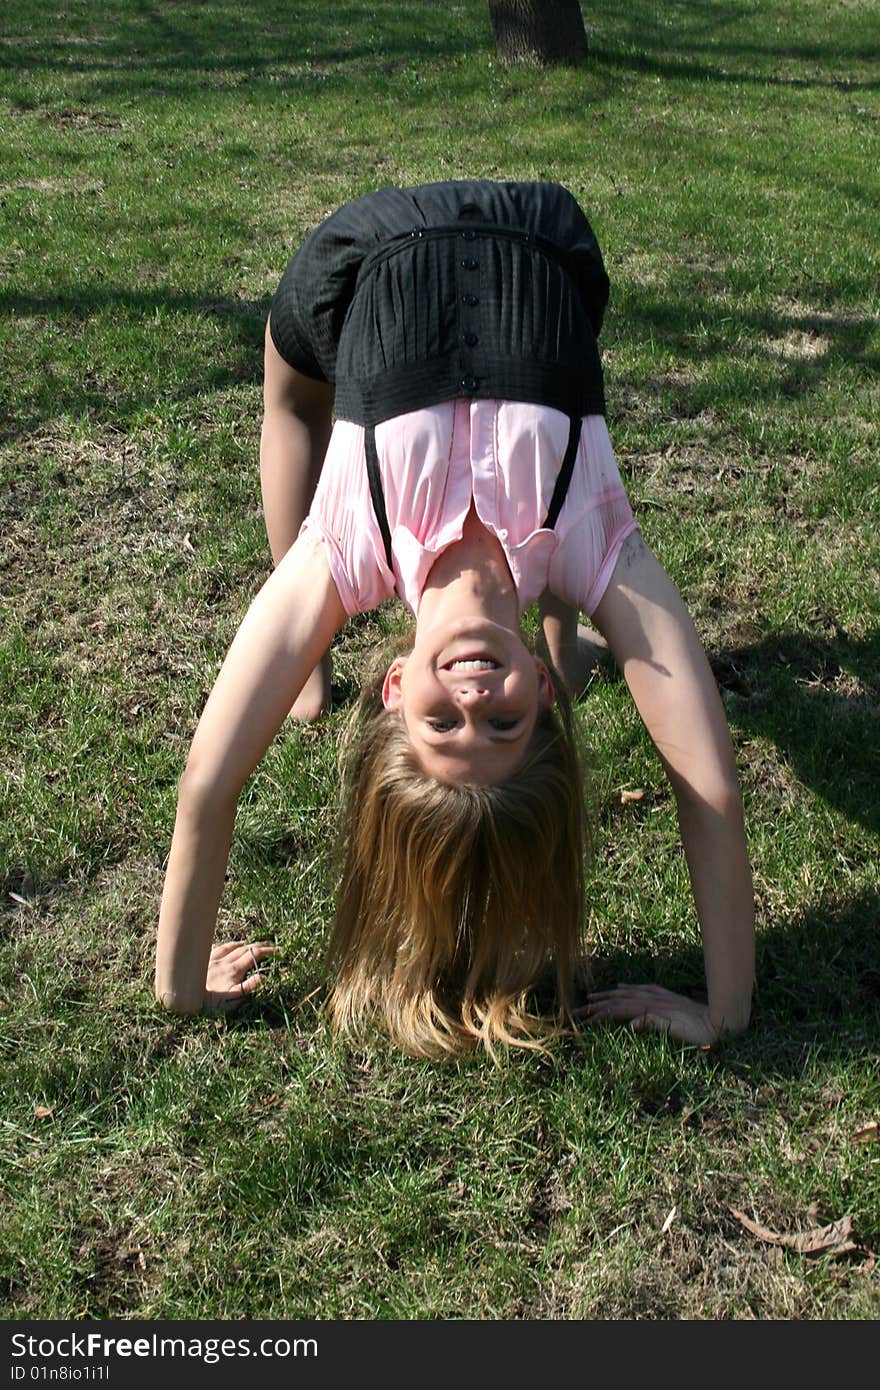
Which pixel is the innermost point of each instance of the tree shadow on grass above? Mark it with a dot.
(739, 64)
(699, 42)
(701, 312)
(72, 393)
(818, 985)
(701, 325)
(163, 50)
(818, 701)
(701, 317)
(160, 48)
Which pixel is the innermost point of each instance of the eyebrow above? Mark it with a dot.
(450, 760)
(445, 742)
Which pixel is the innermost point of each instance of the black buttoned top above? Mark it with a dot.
(411, 296)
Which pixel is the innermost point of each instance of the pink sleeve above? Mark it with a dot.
(342, 515)
(594, 523)
(361, 581)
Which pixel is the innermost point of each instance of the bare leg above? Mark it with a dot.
(297, 422)
(575, 650)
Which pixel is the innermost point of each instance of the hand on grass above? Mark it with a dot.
(652, 1008)
(234, 974)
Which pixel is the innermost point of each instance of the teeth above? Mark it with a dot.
(476, 664)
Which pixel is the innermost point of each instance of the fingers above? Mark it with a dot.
(655, 992)
(260, 949)
(602, 1000)
(653, 1022)
(252, 952)
(641, 1006)
(651, 1008)
(616, 1011)
(249, 956)
(234, 971)
(247, 964)
(223, 948)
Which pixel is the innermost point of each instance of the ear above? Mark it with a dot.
(546, 693)
(392, 693)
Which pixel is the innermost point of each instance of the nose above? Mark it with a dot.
(470, 695)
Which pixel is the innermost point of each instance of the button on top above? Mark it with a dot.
(471, 339)
(468, 384)
(471, 300)
(469, 235)
(470, 263)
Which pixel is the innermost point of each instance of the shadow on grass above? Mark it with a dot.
(817, 998)
(166, 49)
(684, 55)
(818, 701)
(818, 984)
(716, 41)
(702, 326)
(161, 47)
(72, 393)
(708, 325)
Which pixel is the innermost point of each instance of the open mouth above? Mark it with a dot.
(471, 663)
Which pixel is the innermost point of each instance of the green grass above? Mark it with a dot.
(159, 166)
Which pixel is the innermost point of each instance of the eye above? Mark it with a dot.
(502, 725)
(441, 726)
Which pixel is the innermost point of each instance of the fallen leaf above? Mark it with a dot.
(834, 1237)
(635, 795)
(42, 1112)
(668, 1222)
(865, 1133)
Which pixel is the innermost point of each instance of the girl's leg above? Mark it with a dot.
(297, 421)
(575, 650)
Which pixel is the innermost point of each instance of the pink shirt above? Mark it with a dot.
(503, 454)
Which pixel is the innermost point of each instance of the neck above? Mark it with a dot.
(471, 577)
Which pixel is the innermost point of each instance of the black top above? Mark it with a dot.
(411, 296)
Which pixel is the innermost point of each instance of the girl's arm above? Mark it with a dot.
(290, 623)
(653, 639)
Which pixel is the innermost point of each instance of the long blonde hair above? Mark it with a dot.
(455, 899)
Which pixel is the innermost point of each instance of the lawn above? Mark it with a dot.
(159, 165)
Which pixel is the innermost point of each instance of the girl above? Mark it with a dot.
(453, 327)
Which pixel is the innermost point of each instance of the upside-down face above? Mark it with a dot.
(469, 694)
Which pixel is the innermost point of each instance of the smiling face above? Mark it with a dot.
(469, 694)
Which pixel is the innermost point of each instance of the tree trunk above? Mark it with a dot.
(546, 32)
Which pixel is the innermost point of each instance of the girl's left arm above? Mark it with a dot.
(284, 633)
(645, 622)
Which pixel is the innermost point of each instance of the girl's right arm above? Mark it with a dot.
(284, 634)
(654, 641)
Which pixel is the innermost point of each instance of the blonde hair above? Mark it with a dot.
(455, 899)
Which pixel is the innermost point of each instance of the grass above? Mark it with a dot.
(160, 165)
